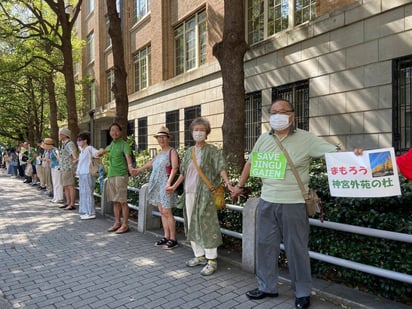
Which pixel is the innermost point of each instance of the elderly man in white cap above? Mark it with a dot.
(68, 159)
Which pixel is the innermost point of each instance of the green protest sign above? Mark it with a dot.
(268, 165)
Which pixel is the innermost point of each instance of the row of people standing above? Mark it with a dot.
(281, 213)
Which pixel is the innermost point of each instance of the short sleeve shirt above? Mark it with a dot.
(302, 147)
(117, 160)
(66, 155)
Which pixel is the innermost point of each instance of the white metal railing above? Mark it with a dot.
(407, 238)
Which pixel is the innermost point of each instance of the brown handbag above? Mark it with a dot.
(312, 201)
(218, 193)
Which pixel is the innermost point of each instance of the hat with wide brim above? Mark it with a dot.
(163, 131)
(47, 144)
(65, 131)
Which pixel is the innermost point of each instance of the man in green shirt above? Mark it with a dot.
(120, 163)
(281, 213)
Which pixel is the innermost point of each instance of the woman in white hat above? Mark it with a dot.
(164, 168)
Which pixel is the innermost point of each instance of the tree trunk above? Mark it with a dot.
(230, 52)
(70, 86)
(67, 19)
(119, 86)
(51, 91)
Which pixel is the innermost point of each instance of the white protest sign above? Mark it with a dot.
(374, 174)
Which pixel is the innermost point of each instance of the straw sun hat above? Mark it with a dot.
(163, 131)
(47, 144)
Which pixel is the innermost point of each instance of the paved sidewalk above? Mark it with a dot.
(49, 258)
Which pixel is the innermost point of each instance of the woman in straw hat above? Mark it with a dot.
(164, 168)
(47, 145)
(53, 157)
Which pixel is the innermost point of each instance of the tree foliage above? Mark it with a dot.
(42, 35)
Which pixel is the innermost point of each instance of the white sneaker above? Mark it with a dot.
(87, 217)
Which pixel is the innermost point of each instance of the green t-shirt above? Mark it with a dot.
(117, 160)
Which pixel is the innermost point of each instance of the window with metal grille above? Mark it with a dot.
(298, 94)
(402, 104)
(142, 134)
(190, 114)
(172, 123)
(131, 132)
(253, 119)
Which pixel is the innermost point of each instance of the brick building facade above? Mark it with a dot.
(346, 65)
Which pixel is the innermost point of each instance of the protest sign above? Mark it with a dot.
(268, 165)
(374, 174)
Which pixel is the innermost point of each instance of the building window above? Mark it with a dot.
(90, 48)
(172, 123)
(92, 94)
(90, 6)
(190, 114)
(108, 37)
(190, 43)
(119, 9)
(131, 132)
(142, 69)
(142, 134)
(110, 81)
(305, 10)
(402, 104)
(141, 9)
(267, 17)
(253, 119)
(298, 94)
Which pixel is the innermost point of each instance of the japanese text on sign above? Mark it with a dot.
(374, 174)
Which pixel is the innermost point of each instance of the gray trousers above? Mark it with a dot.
(287, 222)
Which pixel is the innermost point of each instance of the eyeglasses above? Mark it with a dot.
(281, 112)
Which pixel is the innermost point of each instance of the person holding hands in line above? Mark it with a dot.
(120, 164)
(201, 221)
(281, 212)
(87, 182)
(164, 168)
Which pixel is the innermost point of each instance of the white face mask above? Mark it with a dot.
(199, 136)
(279, 122)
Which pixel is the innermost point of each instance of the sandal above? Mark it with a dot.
(64, 206)
(70, 208)
(122, 230)
(171, 244)
(161, 242)
(113, 228)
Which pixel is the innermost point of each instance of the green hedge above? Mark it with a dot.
(390, 214)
